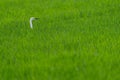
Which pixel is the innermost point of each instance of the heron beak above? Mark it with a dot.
(36, 18)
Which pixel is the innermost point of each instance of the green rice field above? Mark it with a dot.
(72, 40)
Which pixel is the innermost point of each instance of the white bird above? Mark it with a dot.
(31, 19)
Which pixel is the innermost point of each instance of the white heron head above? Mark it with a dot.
(31, 19)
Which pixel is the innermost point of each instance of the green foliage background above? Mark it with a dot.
(72, 40)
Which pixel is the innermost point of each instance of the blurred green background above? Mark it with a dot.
(72, 40)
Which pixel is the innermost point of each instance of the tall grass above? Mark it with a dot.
(73, 40)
